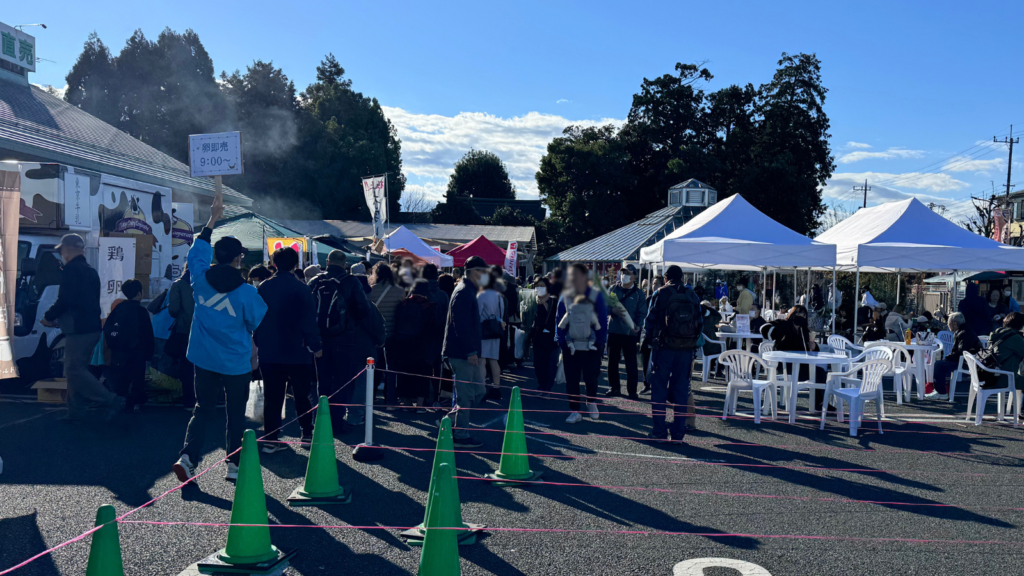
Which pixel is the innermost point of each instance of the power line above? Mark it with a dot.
(865, 189)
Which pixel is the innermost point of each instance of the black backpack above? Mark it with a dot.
(331, 308)
(683, 320)
(120, 331)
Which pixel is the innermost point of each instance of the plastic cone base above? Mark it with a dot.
(497, 479)
(301, 498)
(364, 453)
(415, 536)
(215, 564)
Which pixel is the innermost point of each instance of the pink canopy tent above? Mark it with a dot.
(481, 247)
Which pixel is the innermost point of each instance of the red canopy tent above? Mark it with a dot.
(481, 247)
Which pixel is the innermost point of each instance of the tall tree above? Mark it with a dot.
(92, 81)
(584, 180)
(480, 174)
(158, 92)
(265, 109)
(792, 159)
(344, 136)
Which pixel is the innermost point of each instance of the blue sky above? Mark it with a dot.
(914, 87)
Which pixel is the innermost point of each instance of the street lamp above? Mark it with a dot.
(22, 26)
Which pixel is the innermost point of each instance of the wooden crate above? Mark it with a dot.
(52, 391)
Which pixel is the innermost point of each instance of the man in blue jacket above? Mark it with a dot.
(287, 340)
(581, 361)
(220, 344)
(462, 347)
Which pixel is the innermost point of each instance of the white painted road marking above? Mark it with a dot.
(696, 567)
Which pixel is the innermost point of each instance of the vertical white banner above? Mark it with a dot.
(117, 264)
(182, 235)
(374, 194)
(512, 258)
(76, 201)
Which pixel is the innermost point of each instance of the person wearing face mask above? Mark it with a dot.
(1011, 302)
(220, 346)
(77, 312)
(791, 334)
(756, 321)
(623, 340)
(545, 350)
(463, 347)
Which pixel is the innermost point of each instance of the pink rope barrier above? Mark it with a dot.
(595, 531)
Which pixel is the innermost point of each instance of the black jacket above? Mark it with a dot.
(545, 320)
(357, 307)
(288, 333)
(787, 335)
(136, 327)
(965, 340)
(462, 336)
(438, 296)
(77, 309)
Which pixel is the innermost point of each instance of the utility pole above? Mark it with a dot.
(865, 188)
(1009, 164)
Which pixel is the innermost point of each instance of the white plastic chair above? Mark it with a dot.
(840, 344)
(901, 378)
(983, 394)
(870, 389)
(705, 360)
(776, 370)
(946, 349)
(743, 368)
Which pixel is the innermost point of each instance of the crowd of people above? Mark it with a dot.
(444, 340)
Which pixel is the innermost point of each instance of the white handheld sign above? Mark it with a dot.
(215, 154)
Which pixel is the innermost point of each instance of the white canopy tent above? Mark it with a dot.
(733, 235)
(909, 236)
(406, 240)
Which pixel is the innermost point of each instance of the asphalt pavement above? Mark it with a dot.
(932, 495)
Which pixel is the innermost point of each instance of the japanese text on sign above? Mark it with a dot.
(215, 154)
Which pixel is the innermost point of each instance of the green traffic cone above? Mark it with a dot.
(321, 485)
(440, 555)
(249, 544)
(105, 549)
(514, 467)
(444, 454)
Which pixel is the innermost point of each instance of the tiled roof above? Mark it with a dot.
(36, 123)
(624, 243)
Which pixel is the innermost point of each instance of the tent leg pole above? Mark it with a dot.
(794, 286)
(856, 294)
(897, 286)
(832, 297)
(775, 289)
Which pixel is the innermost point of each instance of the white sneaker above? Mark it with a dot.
(232, 473)
(592, 412)
(932, 394)
(184, 469)
(573, 418)
(272, 448)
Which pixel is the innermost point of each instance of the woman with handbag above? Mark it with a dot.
(492, 328)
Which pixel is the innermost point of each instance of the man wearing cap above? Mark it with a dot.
(622, 340)
(77, 312)
(220, 344)
(462, 347)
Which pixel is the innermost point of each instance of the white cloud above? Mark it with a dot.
(840, 189)
(431, 144)
(966, 164)
(857, 145)
(562, 101)
(891, 153)
(914, 180)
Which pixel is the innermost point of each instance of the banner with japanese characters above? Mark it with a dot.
(512, 258)
(375, 193)
(17, 47)
(117, 264)
(297, 244)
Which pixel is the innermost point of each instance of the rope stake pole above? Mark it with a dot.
(366, 451)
